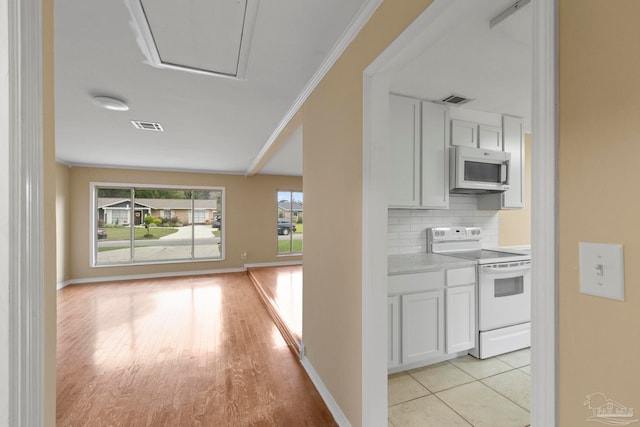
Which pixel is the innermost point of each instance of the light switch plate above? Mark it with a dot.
(602, 270)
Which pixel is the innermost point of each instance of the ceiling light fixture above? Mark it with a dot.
(109, 103)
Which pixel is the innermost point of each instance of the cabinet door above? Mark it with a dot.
(422, 326)
(393, 331)
(461, 318)
(514, 144)
(435, 156)
(404, 151)
(490, 137)
(463, 133)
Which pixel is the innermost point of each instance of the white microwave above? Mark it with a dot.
(476, 170)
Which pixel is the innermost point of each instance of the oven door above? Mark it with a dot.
(504, 294)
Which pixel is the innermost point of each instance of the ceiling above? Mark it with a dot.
(464, 56)
(211, 123)
(219, 124)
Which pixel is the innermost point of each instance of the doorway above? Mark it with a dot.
(375, 133)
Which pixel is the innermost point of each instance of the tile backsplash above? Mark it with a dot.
(407, 232)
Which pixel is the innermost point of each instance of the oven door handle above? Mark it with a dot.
(508, 270)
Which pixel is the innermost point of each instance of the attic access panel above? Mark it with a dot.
(207, 36)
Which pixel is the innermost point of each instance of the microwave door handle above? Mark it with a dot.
(504, 171)
(506, 270)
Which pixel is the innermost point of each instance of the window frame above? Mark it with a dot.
(93, 221)
(291, 252)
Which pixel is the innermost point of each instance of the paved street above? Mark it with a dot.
(174, 246)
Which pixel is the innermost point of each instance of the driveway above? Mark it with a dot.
(199, 232)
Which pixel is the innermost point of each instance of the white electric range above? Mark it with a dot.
(503, 289)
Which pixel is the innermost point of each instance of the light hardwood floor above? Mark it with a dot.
(192, 351)
(281, 291)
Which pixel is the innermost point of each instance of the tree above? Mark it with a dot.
(148, 220)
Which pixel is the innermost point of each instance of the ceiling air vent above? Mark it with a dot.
(455, 100)
(147, 125)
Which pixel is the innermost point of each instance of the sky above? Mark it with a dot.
(284, 195)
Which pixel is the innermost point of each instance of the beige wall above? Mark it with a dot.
(514, 225)
(49, 204)
(62, 223)
(332, 162)
(250, 209)
(598, 200)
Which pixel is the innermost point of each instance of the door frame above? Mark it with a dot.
(26, 346)
(544, 213)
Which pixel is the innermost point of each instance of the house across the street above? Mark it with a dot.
(289, 210)
(117, 211)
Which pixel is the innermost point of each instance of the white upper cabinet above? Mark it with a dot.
(418, 154)
(464, 133)
(435, 156)
(513, 143)
(490, 137)
(404, 151)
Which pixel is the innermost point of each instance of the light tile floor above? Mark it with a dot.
(464, 392)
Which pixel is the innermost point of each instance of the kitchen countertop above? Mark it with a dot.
(416, 263)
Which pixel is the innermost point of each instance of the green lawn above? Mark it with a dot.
(111, 248)
(283, 246)
(124, 233)
(299, 228)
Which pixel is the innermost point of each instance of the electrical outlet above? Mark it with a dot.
(602, 270)
(243, 255)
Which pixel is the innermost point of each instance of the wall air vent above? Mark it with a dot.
(147, 125)
(454, 100)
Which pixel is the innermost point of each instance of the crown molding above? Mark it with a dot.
(352, 30)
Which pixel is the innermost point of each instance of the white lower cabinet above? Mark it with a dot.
(393, 331)
(427, 324)
(422, 326)
(461, 318)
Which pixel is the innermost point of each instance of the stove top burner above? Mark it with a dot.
(466, 242)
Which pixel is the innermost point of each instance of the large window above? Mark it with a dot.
(140, 224)
(290, 223)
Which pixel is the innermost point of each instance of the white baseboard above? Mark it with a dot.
(151, 276)
(333, 406)
(64, 284)
(273, 264)
(172, 274)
